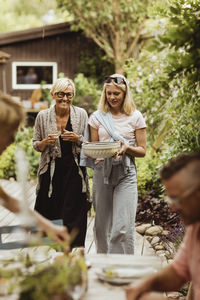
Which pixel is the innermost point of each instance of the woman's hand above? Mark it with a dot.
(48, 141)
(52, 138)
(59, 234)
(56, 232)
(70, 136)
(123, 149)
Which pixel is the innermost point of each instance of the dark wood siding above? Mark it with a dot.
(63, 48)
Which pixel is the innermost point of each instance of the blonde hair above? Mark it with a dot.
(61, 84)
(12, 113)
(128, 104)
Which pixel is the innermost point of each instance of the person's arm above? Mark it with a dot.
(165, 281)
(72, 136)
(40, 141)
(94, 134)
(140, 149)
(57, 233)
(47, 141)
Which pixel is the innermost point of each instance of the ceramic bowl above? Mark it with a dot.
(101, 149)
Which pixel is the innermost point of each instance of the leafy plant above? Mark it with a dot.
(54, 279)
(148, 173)
(45, 93)
(7, 163)
(93, 65)
(154, 210)
(115, 26)
(87, 93)
(7, 159)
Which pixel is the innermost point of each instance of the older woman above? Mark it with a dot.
(62, 190)
(10, 118)
(114, 181)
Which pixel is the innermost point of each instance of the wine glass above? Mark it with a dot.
(55, 136)
(76, 291)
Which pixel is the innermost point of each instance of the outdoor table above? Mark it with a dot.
(100, 290)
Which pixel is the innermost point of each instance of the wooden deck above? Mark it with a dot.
(142, 247)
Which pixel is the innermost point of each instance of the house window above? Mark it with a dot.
(30, 75)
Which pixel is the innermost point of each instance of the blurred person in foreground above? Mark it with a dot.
(11, 117)
(181, 178)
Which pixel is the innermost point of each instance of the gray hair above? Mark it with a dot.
(61, 84)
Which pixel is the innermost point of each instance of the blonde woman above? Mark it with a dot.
(114, 181)
(10, 119)
(62, 190)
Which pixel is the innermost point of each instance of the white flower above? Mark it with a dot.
(150, 77)
(138, 89)
(175, 93)
(186, 5)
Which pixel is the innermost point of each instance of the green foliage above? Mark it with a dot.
(45, 94)
(165, 81)
(24, 140)
(113, 25)
(148, 173)
(7, 159)
(87, 93)
(182, 37)
(182, 67)
(48, 281)
(7, 163)
(23, 14)
(150, 88)
(165, 84)
(93, 64)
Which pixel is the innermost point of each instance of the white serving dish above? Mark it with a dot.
(101, 149)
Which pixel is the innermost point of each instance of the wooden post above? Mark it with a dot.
(3, 59)
(4, 79)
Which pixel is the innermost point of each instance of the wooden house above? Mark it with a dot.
(39, 54)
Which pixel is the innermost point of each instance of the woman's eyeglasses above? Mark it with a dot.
(62, 95)
(177, 201)
(118, 80)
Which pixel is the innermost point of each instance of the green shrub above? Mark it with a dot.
(148, 173)
(94, 64)
(7, 163)
(7, 159)
(24, 140)
(87, 93)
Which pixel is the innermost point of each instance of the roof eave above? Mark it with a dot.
(34, 33)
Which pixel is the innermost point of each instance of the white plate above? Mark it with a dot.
(124, 274)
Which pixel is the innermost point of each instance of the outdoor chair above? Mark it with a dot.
(22, 243)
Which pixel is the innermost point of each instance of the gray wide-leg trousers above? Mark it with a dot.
(115, 206)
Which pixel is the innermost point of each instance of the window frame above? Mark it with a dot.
(17, 86)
